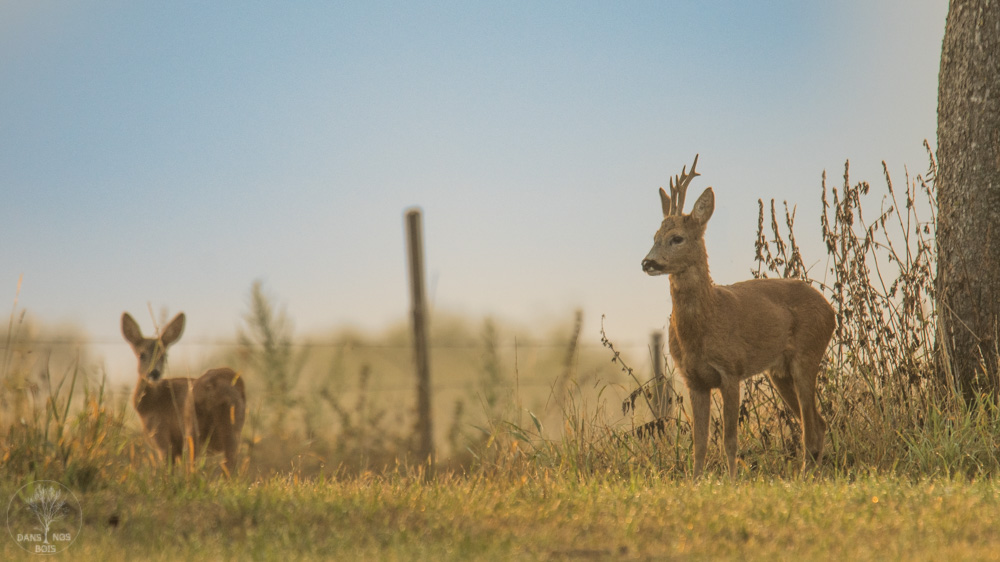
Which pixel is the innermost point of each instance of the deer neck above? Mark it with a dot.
(143, 394)
(148, 396)
(691, 292)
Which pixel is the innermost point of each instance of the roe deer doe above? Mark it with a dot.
(207, 412)
(720, 335)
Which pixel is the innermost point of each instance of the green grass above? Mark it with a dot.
(541, 517)
(538, 461)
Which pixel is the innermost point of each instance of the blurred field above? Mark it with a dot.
(536, 457)
(339, 403)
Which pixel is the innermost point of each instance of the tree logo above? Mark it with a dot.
(44, 517)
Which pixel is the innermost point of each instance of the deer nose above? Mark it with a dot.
(652, 267)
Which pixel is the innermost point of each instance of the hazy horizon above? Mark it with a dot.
(172, 154)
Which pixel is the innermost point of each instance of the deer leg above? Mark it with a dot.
(173, 451)
(813, 427)
(168, 446)
(230, 458)
(229, 439)
(782, 382)
(700, 410)
(233, 429)
(730, 419)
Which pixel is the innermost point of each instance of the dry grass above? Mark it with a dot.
(544, 516)
(539, 461)
(890, 407)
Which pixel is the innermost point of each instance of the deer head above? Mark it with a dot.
(680, 242)
(151, 352)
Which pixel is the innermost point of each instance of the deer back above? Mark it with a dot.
(753, 326)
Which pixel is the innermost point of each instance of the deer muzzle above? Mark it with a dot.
(652, 267)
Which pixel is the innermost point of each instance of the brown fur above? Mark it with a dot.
(720, 335)
(207, 412)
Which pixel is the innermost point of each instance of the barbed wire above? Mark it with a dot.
(318, 344)
(125, 385)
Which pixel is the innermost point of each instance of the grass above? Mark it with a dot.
(542, 517)
(542, 462)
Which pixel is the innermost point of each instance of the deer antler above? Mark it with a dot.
(679, 185)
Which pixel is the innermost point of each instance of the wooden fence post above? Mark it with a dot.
(415, 255)
(663, 392)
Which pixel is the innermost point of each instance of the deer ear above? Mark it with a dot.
(704, 206)
(665, 203)
(130, 329)
(173, 330)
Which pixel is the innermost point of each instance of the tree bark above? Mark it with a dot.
(968, 187)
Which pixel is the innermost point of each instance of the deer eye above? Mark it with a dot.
(676, 240)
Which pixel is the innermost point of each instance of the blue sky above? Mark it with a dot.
(174, 152)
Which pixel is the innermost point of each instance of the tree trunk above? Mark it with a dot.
(968, 186)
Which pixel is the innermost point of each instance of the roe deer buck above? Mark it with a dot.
(207, 412)
(720, 335)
